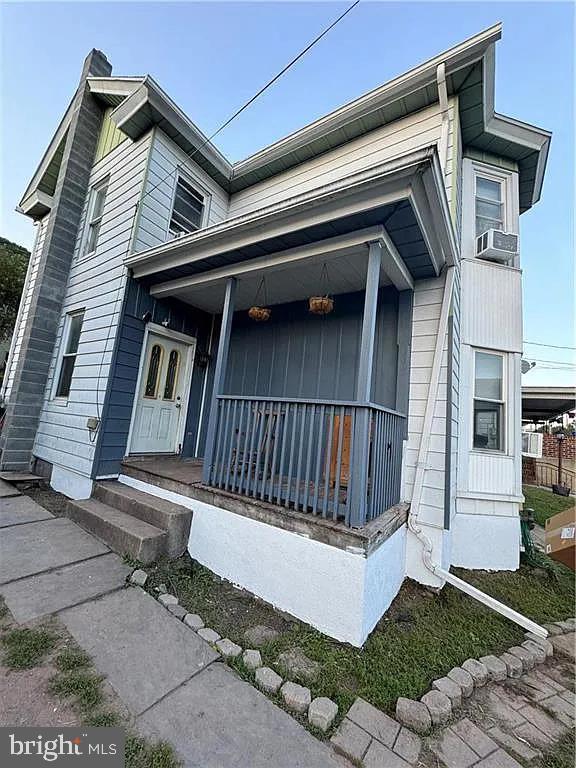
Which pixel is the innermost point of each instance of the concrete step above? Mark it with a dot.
(123, 533)
(169, 517)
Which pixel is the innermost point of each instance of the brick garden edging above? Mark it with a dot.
(320, 711)
(367, 735)
(447, 694)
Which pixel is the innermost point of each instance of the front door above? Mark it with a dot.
(161, 399)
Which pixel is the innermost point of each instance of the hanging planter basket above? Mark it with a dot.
(259, 314)
(321, 305)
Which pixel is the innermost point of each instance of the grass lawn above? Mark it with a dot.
(545, 503)
(421, 637)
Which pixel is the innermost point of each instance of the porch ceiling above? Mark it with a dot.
(286, 282)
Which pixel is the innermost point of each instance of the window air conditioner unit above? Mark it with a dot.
(495, 245)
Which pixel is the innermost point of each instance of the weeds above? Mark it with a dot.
(26, 648)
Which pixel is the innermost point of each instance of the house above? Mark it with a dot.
(325, 457)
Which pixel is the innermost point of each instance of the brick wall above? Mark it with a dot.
(550, 447)
(528, 470)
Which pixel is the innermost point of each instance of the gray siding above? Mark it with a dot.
(97, 285)
(24, 310)
(296, 354)
(41, 328)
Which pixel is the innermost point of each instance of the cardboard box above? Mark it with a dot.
(561, 537)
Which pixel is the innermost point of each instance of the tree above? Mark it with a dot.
(13, 265)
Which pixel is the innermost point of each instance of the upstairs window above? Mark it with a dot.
(188, 209)
(489, 205)
(489, 401)
(72, 329)
(95, 211)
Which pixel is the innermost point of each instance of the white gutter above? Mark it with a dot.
(421, 467)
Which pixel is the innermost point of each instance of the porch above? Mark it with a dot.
(309, 414)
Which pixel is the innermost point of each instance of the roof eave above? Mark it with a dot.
(515, 131)
(36, 205)
(419, 77)
(150, 96)
(411, 176)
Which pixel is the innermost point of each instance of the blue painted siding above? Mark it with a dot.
(296, 354)
(117, 411)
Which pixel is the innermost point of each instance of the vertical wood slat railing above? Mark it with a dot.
(297, 453)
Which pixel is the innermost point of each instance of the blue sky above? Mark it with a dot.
(211, 57)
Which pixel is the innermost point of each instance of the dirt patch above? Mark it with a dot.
(24, 699)
(54, 502)
(223, 606)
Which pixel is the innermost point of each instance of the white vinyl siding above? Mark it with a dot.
(26, 300)
(96, 284)
(167, 162)
(426, 318)
(405, 135)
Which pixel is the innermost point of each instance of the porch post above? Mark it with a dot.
(361, 446)
(219, 376)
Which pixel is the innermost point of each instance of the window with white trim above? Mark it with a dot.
(489, 204)
(95, 213)
(187, 210)
(489, 401)
(72, 330)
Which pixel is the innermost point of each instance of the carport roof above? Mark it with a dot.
(547, 403)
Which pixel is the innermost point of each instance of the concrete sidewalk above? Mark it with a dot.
(170, 680)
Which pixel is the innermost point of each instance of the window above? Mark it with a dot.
(72, 330)
(171, 375)
(154, 365)
(489, 402)
(489, 205)
(96, 209)
(188, 209)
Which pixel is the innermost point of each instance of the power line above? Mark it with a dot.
(559, 362)
(250, 101)
(552, 346)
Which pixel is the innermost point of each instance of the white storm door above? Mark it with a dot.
(161, 397)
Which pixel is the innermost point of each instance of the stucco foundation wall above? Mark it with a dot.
(341, 593)
(487, 535)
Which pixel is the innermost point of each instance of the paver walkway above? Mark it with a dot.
(503, 725)
(169, 679)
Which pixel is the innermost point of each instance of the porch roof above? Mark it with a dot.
(404, 198)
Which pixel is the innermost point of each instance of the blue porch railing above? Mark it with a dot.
(305, 455)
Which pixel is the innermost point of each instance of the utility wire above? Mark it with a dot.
(250, 101)
(559, 362)
(552, 346)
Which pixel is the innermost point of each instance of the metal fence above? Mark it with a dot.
(339, 460)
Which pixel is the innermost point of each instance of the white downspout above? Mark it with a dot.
(445, 129)
(421, 467)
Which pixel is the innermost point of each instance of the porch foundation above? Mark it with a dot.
(342, 591)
